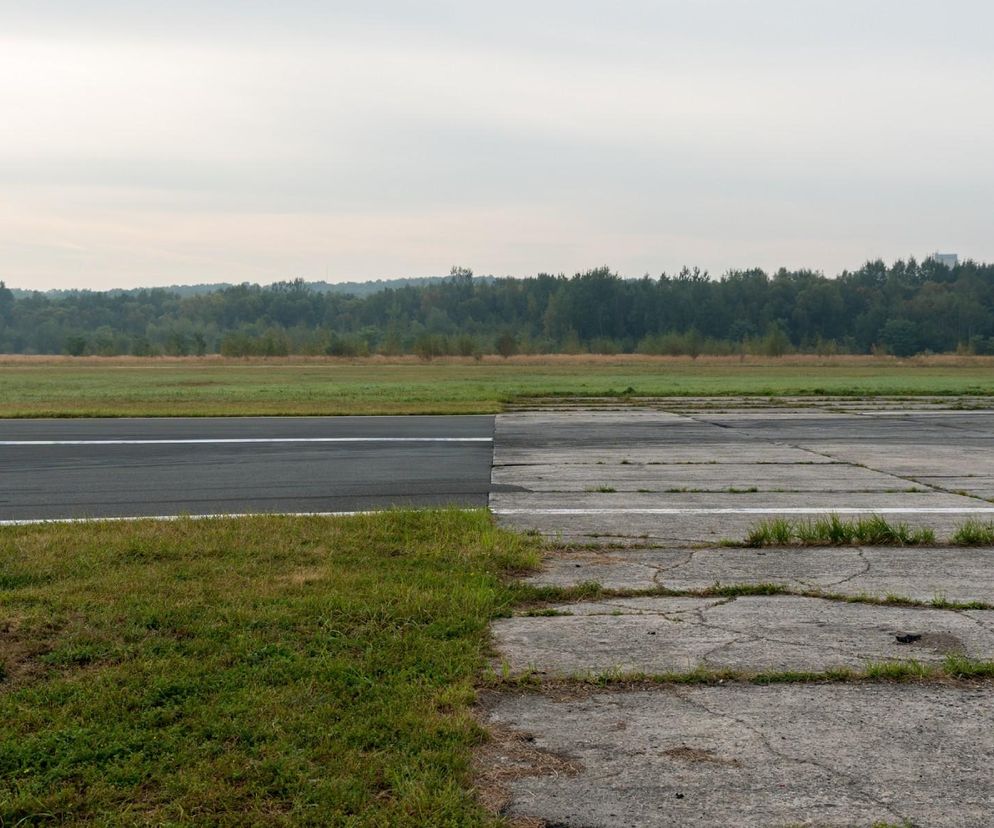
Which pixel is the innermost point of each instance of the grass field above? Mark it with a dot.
(64, 387)
(255, 671)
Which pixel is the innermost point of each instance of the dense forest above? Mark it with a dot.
(906, 308)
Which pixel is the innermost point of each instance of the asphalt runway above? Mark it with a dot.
(555, 472)
(58, 469)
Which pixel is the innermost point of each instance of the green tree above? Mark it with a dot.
(775, 343)
(507, 344)
(75, 345)
(901, 337)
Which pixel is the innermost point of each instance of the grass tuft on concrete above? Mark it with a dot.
(954, 668)
(873, 530)
(253, 671)
(533, 599)
(974, 533)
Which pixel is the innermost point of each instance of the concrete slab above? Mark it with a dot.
(867, 463)
(744, 755)
(769, 502)
(955, 457)
(708, 518)
(827, 755)
(611, 436)
(635, 476)
(921, 574)
(753, 634)
(659, 453)
(699, 528)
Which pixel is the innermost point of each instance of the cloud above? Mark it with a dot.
(402, 137)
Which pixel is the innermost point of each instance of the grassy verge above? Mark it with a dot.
(832, 530)
(270, 670)
(86, 387)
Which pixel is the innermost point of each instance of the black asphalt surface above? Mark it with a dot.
(438, 461)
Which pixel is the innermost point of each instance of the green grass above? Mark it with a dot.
(213, 386)
(255, 671)
(974, 533)
(832, 530)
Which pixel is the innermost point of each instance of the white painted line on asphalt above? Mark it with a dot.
(220, 516)
(793, 510)
(691, 511)
(246, 440)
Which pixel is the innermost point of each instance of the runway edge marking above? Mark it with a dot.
(789, 510)
(217, 516)
(199, 441)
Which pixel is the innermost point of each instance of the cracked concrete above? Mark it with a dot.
(691, 466)
(666, 478)
(958, 575)
(750, 634)
(644, 496)
(827, 755)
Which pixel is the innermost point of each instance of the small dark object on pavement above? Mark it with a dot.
(908, 638)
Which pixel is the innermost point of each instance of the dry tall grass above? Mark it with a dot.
(550, 360)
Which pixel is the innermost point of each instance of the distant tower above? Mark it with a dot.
(950, 260)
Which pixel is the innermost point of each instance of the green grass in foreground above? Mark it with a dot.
(832, 530)
(269, 670)
(192, 387)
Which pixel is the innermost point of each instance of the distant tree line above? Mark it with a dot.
(904, 309)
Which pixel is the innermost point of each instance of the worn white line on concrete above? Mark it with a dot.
(793, 510)
(924, 412)
(246, 440)
(219, 516)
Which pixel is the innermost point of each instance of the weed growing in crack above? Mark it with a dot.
(897, 671)
(741, 590)
(832, 530)
(545, 613)
(801, 676)
(960, 667)
(533, 596)
(774, 532)
(974, 533)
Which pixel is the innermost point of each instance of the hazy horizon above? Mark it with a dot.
(438, 276)
(255, 141)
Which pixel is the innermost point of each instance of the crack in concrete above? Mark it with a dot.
(664, 568)
(806, 583)
(905, 479)
(867, 566)
(738, 635)
(707, 656)
(978, 621)
(637, 611)
(835, 773)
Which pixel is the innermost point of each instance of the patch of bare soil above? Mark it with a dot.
(509, 755)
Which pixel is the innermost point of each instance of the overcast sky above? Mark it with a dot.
(147, 143)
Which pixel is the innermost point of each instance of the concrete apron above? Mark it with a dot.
(610, 485)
